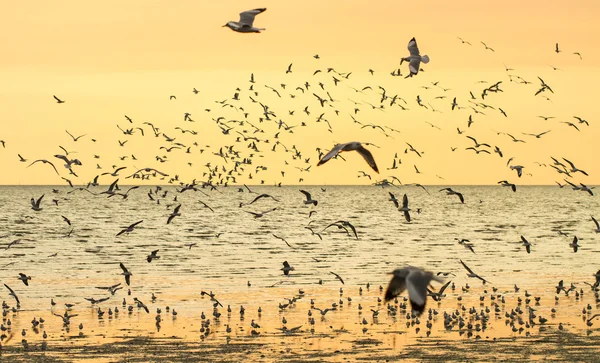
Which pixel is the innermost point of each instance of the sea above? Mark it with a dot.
(217, 246)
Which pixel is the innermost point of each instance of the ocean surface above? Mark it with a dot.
(236, 257)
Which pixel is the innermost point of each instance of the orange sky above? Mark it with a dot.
(114, 58)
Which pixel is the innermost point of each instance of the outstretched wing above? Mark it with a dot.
(412, 47)
(247, 17)
(466, 267)
(307, 194)
(395, 288)
(336, 149)
(366, 154)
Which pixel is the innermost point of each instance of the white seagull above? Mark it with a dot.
(414, 58)
(309, 199)
(415, 280)
(245, 23)
(35, 204)
(405, 208)
(350, 146)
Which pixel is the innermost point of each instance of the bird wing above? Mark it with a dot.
(338, 276)
(416, 284)
(37, 202)
(414, 64)
(443, 288)
(467, 267)
(404, 201)
(135, 224)
(396, 287)
(352, 228)
(596, 222)
(176, 210)
(524, 240)
(366, 154)
(247, 17)
(460, 196)
(257, 198)
(333, 152)
(12, 293)
(412, 47)
(307, 194)
(123, 267)
(393, 198)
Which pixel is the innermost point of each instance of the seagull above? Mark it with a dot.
(574, 168)
(526, 244)
(283, 239)
(507, 184)
(574, 244)
(350, 146)
(258, 215)
(518, 168)
(465, 243)
(415, 280)
(35, 204)
(246, 21)
(471, 273)
(58, 100)
(286, 268)
(415, 58)
(112, 289)
(343, 224)
(152, 256)
(96, 301)
(309, 199)
(130, 228)
(263, 196)
(73, 137)
(45, 162)
(405, 208)
(449, 191)
(24, 278)
(174, 214)
(337, 276)
(126, 273)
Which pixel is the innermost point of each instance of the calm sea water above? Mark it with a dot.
(493, 218)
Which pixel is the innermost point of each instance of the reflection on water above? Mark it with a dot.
(236, 256)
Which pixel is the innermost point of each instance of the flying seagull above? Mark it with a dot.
(405, 208)
(526, 244)
(58, 100)
(470, 272)
(414, 58)
(286, 268)
(35, 204)
(126, 273)
(309, 199)
(449, 191)
(246, 21)
(129, 229)
(350, 146)
(152, 256)
(415, 280)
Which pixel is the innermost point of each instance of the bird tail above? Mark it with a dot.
(425, 59)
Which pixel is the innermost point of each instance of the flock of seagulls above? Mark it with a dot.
(260, 127)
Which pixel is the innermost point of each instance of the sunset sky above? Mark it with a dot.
(115, 58)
